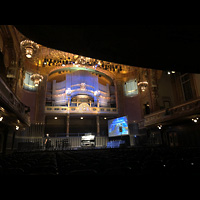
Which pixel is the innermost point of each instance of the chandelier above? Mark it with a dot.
(143, 85)
(36, 78)
(29, 48)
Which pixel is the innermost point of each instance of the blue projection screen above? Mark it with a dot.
(118, 127)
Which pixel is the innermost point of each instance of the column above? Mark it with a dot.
(98, 126)
(68, 125)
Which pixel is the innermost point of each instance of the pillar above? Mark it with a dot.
(98, 126)
(68, 125)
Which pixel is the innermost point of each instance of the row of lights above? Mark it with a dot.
(171, 72)
(95, 64)
(82, 118)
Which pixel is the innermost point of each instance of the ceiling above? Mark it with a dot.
(165, 47)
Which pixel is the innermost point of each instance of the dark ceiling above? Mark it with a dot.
(166, 47)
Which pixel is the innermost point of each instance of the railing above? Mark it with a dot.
(8, 97)
(80, 110)
(182, 110)
(38, 143)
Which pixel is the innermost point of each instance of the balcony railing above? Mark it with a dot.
(176, 112)
(80, 110)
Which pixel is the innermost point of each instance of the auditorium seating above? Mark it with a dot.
(125, 162)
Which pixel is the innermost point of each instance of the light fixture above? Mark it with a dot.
(29, 48)
(143, 85)
(55, 118)
(36, 78)
(2, 109)
(82, 118)
(171, 72)
(1, 118)
(195, 120)
(97, 93)
(68, 91)
(17, 128)
(159, 127)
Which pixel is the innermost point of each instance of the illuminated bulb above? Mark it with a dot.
(1, 118)
(29, 52)
(195, 120)
(159, 127)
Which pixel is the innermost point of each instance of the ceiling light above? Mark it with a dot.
(36, 78)
(29, 48)
(143, 85)
(1, 118)
(82, 118)
(29, 52)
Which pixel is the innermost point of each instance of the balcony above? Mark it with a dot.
(81, 109)
(12, 105)
(174, 113)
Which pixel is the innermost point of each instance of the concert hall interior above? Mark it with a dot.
(56, 98)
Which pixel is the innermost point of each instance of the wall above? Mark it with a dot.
(165, 90)
(197, 83)
(132, 108)
(29, 99)
(87, 125)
